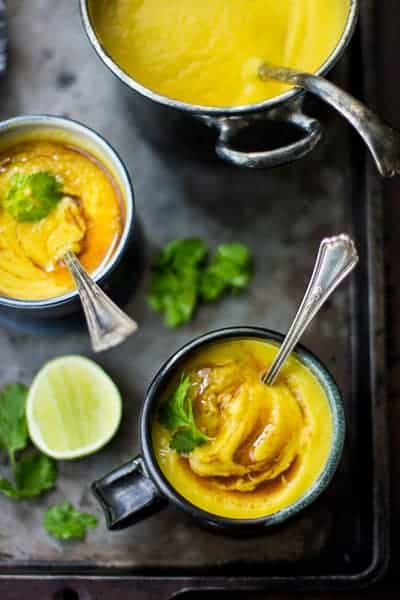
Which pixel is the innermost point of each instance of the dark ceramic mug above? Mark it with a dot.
(138, 488)
(171, 123)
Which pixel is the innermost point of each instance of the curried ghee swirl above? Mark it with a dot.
(87, 221)
(268, 444)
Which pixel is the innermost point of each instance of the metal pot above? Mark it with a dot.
(164, 120)
(66, 130)
(138, 488)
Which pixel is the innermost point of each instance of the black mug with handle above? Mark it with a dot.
(138, 489)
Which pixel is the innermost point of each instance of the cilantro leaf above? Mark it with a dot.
(176, 415)
(175, 280)
(32, 197)
(63, 522)
(186, 440)
(7, 488)
(175, 295)
(173, 413)
(34, 474)
(181, 254)
(180, 279)
(229, 268)
(13, 429)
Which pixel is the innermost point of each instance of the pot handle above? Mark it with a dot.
(229, 127)
(127, 495)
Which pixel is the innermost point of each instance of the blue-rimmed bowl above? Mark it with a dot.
(138, 488)
(68, 131)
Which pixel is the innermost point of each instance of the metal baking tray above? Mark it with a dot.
(342, 540)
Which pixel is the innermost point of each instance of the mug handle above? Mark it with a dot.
(127, 495)
(229, 127)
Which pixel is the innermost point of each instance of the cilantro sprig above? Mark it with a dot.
(175, 280)
(176, 414)
(13, 429)
(63, 522)
(33, 473)
(181, 278)
(230, 268)
(32, 197)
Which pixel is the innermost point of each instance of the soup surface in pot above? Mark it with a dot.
(86, 217)
(208, 52)
(253, 449)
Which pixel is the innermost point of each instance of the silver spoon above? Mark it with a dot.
(383, 141)
(108, 325)
(337, 257)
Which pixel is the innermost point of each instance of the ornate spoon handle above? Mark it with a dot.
(383, 141)
(108, 325)
(336, 258)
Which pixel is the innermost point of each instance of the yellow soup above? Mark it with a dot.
(267, 444)
(87, 220)
(207, 52)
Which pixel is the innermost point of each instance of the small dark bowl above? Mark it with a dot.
(139, 488)
(71, 132)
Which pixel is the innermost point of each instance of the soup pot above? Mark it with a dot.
(193, 127)
(138, 488)
(70, 132)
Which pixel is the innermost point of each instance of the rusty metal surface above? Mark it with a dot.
(282, 215)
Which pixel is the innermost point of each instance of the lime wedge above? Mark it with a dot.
(73, 408)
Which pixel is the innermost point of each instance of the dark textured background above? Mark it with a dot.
(388, 27)
(281, 214)
(390, 104)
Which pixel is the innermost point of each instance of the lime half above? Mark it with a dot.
(73, 408)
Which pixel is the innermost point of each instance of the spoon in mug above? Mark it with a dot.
(337, 257)
(108, 325)
(383, 141)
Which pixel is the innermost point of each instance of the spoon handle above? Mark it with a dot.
(108, 325)
(337, 257)
(382, 140)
